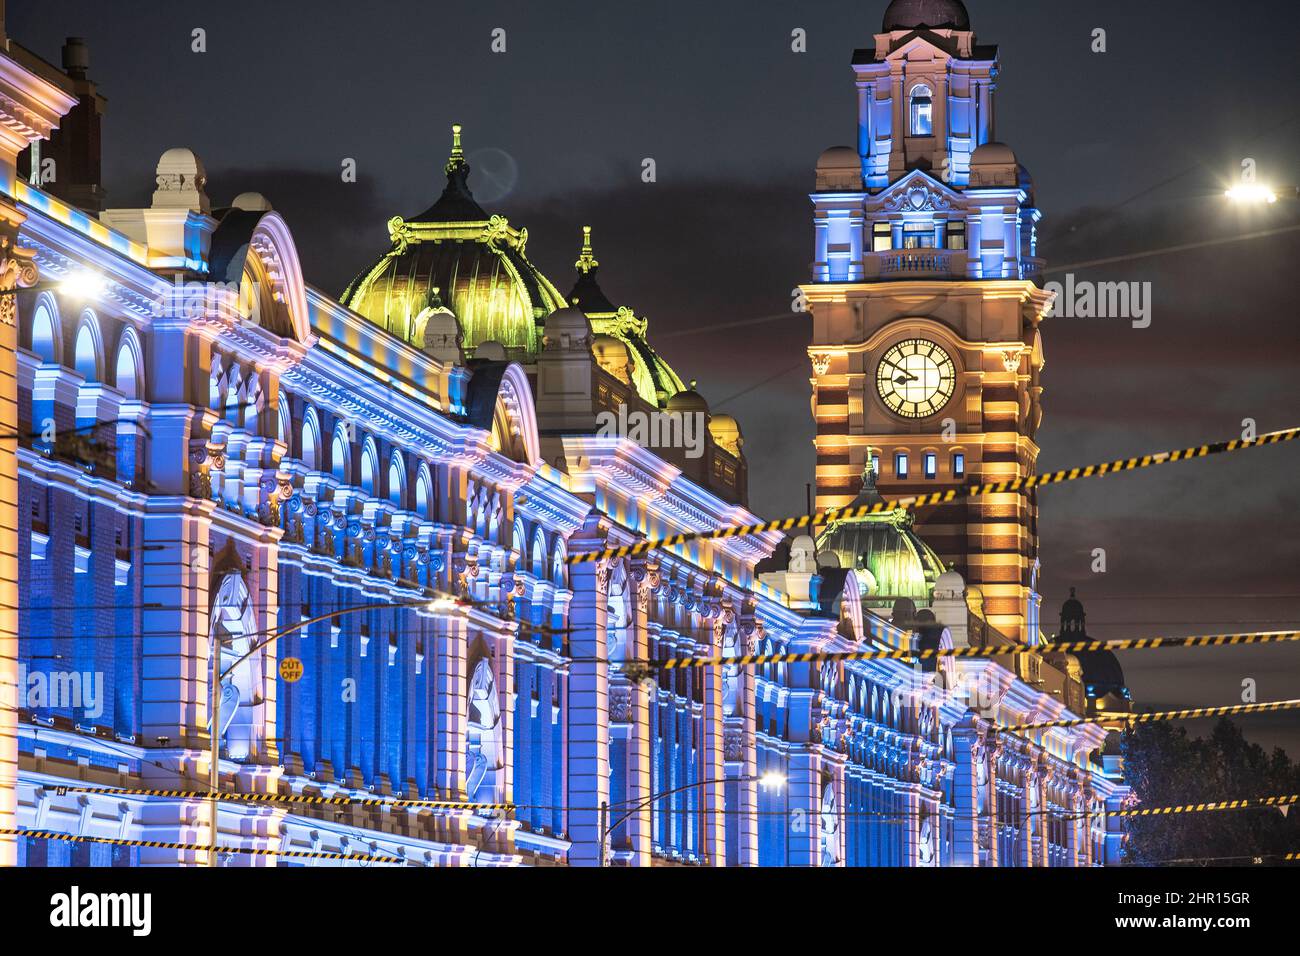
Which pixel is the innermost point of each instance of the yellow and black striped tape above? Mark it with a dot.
(1248, 804)
(1290, 857)
(943, 497)
(165, 845)
(292, 798)
(1185, 714)
(637, 669)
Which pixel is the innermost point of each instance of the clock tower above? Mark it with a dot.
(926, 304)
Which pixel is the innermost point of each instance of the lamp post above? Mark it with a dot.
(771, 779)
(437, 603)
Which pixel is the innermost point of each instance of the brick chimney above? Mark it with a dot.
(67, 165)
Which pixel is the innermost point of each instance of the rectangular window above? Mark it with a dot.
(881, 237)
(875, 464)
(931, 464)
(900, 464)
(956, 235)
(959, 465)
(918, 235)
(922, 112)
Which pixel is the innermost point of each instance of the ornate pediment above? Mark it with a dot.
(917, 194)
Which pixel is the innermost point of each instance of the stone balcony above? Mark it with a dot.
(915, 264)
(931, 264)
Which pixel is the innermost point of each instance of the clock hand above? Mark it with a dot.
(898, 368)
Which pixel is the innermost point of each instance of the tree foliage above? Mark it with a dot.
(1166, 767)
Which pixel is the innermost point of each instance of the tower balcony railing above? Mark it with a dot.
(914, 263)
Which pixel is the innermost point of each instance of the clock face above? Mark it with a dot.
(916, 378)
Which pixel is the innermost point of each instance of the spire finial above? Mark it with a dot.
(1071, 592)
(869, 472)
(457, 159)
(586, 261)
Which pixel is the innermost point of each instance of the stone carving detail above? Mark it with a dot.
(620, 703)
(400, 233)
(17, 271)
(200, 475)
(733, 743)
(821, 363)
(916, 198)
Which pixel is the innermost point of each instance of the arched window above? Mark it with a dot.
(216, 385)
(422, 492)
(558, 567)
(830, 826)
(87, 353)
(241, 709)
(519, 541)
(283, 418)
(539, 554)
(127, 374)
(922, 111)
(731, 672)
(484, 750)
(368, 468)
(310, 440)
(232, 407)
(45, 340)
(618, 614)
(396, 481)
(339, 456)
(254, 404)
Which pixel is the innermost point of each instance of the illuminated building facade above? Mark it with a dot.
(926, 305)
(214, 454)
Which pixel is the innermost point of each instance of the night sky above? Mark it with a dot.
(1130, 151)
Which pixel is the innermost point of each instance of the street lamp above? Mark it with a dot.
(771, 780)
(82, 285)
(1259, 194)
(439, 603)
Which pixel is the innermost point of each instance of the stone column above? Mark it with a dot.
(16, 269)
(805, 803)
(942, 142)
(898, 127)
(743, 751)
(713, 792)
(989, 837)
(588, 712)
(645, 579)
(967, 754)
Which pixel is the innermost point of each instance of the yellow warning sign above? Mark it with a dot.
(291, 670)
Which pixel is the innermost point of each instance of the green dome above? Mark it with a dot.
(898, 563)
(456, 254)
(654, 379)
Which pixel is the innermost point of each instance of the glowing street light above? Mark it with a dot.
(82, 285)
(772, 780)
(1251, 193)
